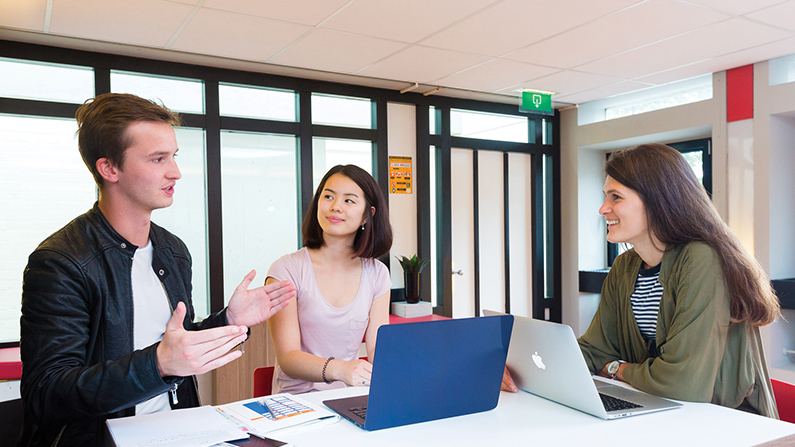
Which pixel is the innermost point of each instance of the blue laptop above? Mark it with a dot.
(431, 370)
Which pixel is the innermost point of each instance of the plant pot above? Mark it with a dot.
(412, 287)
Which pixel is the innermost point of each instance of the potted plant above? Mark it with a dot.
(412, 267)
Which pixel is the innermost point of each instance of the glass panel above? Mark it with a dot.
(436, 299)
(260, 203)
(342, 111)
(432, 120)
(257, 102)
(179, 95)
(490, 126)
(187, 216)
(520, 225)
(43, 185)
(491, 230)
(696, 161)
(462, 232)
(48, 82)
(329, 152)
(549, 230)
(781, 70)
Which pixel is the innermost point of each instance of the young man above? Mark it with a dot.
(107, 321)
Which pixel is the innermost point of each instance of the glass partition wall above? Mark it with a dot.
(253, 148)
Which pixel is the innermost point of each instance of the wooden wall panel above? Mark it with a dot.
(234, 381)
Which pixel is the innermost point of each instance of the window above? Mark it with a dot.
(260, 203)
(488, 126)
(333, 110)
(179, 95)
(46, 82)
(43, 185)
(329, 152)
(253, 102)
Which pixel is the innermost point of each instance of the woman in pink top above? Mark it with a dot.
(342, 292)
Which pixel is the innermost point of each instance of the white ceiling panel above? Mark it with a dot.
(780, 15)
(236, 36)
(406, 20)
(472, 48)
(736, 6)
(336, 51)
(512, 24)
(306, 12)
(143, 22)
(497, 74)
(705, 43)
(422, 64)
(568, 82)
(617, 32)
(605, 91)
(27, 15)
(733, 60)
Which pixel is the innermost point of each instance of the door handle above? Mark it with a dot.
(458, 272)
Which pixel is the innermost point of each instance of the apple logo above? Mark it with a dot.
(537, 360)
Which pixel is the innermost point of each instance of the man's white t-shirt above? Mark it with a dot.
(151, 312)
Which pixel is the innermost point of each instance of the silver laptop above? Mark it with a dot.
(545, 359)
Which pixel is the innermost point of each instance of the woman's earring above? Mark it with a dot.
(362, 227)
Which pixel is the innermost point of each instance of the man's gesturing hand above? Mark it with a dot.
(252, 307)
(185, 353)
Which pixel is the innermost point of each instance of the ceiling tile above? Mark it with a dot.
(422, 64)
(568, 82)
(616, 33)
(733, 60)
(145, 22)
(405, 20)
(28, 15)
(336, 51)
(186, 2)
(781, 15)
(307, 12)
(736, 6)
(236, 36)
(495, 75)
(601, 92)
(512, 24)
(705, 43)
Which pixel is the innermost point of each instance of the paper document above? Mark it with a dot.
(189, 427)
(280, 412)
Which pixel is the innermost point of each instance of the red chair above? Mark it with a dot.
(785, 400)
(263, 381)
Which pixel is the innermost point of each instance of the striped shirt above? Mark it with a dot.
(646, 301)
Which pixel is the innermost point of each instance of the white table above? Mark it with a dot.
(523, 419)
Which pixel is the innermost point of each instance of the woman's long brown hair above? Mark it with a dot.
(678, 211)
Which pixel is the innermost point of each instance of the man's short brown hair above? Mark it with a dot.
(102, 126)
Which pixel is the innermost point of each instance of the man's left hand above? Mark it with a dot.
(251, 307)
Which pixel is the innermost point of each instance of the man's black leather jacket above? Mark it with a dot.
(79, 367)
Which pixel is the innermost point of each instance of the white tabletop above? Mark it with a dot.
(523, 419)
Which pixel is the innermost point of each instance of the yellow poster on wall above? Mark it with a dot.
(400, 175)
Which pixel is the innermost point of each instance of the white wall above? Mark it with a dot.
(402, 140)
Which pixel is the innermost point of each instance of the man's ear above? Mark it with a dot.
(107, 171)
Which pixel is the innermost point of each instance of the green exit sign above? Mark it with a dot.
(537, 102)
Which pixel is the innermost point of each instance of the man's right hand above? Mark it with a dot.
(186, 353)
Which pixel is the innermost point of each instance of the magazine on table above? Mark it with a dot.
(277, 412)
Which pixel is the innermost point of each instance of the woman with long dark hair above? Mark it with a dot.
(680, 312)
(342, 291)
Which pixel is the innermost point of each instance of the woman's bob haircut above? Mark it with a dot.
(375, 239)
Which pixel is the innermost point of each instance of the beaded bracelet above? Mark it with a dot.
(324, 369)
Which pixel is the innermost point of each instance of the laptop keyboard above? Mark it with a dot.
(613, 403)
(359, 411)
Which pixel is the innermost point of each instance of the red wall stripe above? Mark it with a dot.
(740, 93)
